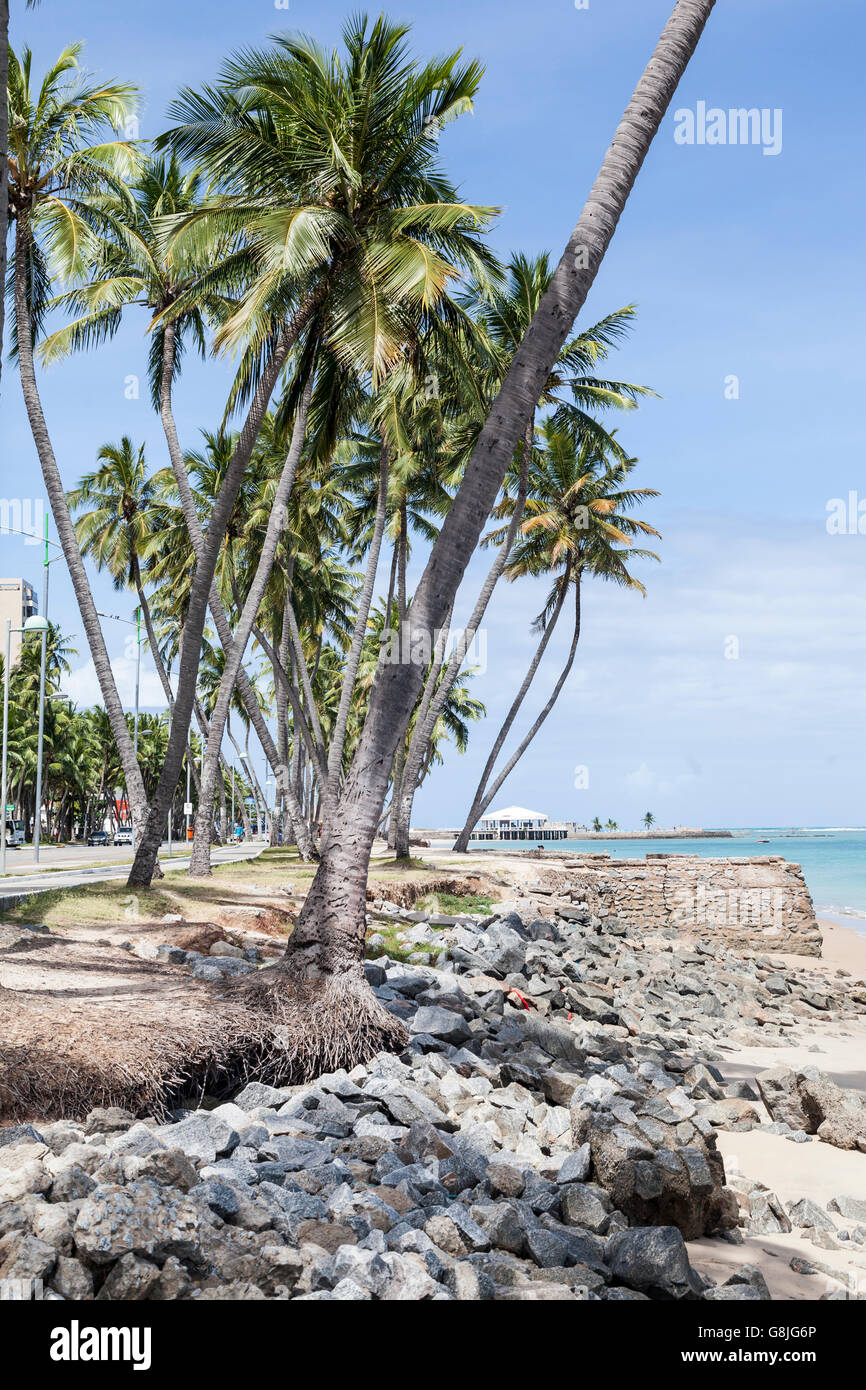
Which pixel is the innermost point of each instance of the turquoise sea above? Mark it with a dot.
(833, 860)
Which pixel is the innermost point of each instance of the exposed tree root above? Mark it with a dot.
(147, 1052)
(315, 1027)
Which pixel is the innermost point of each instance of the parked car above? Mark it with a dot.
(123, 835)
(97, 837)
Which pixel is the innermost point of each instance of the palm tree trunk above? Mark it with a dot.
(331, 791)
(516, 703)
(290, 689)
(427, 718)
(142, 866)
(398, 830)
(224, 815)
(66, 533)
(342, 1021)
(149, 629)
(245, 815)
(483, 797)
(4, 152)
(200, 859)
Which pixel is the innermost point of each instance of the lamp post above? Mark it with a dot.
(136, 623)
(29, 536)
(37, 819)
(35, 624)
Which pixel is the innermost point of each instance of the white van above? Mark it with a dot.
(14, 832)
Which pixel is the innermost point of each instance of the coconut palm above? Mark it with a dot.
(575, 393)
(325, 951)
(596, 824)
(575, 526)
(649, 820)
(61, 165)
(117, 525)
(4, 151)
(130, 266)
(355, 216)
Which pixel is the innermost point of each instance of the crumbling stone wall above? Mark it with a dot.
(759, 902)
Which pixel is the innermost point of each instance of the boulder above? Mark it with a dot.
(807, 1099)
(654, 1261)
(657, 1184)
(141, 1218)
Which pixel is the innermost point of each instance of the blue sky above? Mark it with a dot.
(741, 264)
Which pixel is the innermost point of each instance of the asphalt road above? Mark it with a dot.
(68, 866)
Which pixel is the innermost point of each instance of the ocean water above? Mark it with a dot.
(833, 860)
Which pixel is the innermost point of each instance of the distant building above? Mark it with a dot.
(517, 823)
(18, 602)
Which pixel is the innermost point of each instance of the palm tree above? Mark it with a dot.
(596, 824)
(60, 164)
(355, 207)
(325, 951)
(117, 525)
(130, 266)
(649, 819)
(575, 526)
(4, 151)
(575, 392)
(611, 825)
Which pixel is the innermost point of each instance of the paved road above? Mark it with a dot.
(72, 866)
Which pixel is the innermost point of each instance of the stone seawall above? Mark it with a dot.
(760, 902)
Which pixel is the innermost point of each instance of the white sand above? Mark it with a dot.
(792, 1171)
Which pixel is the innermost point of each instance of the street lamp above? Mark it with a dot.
(34, 624)
(136, 623)
(37, 820)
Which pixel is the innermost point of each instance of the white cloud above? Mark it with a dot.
(82, 686)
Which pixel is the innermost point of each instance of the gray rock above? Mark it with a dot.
(808, 1213)
(653, 1260)
(852, 1208)
(71, 1279)
(108, 1120)
(23, 1256)
(141, 1218)
(441, 1023)
(131, 1280)
(575, 1167)
(13, 1134)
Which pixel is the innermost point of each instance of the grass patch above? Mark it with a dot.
(393, 947)
(90, 904)
(453, 904)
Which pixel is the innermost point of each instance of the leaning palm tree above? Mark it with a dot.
(575, 527)
(575, 393)
(183, 295)
(324, 960)
(60, 166)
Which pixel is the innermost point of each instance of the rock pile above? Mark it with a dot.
(549, 1132)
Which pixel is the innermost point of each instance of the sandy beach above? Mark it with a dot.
(794, 1171)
